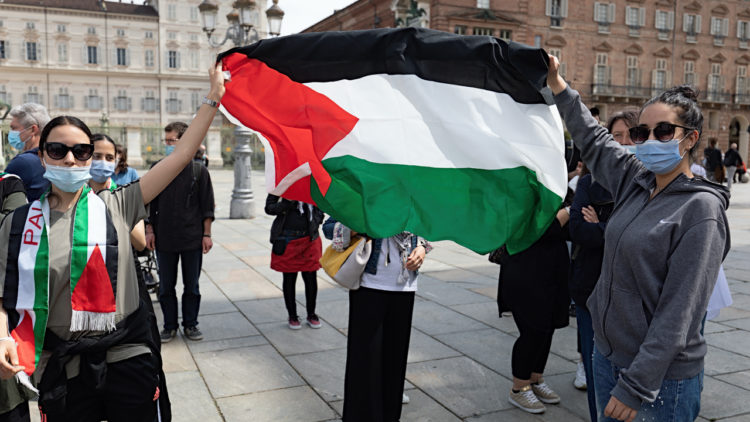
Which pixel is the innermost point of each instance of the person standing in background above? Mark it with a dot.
(26, 125)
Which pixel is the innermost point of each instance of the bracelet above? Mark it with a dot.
(210, 102)
(7, 338)
(207, 235)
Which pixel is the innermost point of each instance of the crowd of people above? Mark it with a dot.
(637, 245)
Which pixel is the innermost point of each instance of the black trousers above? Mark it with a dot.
(128, 394)
(19, 414)
(311, 292)
(376, 352)
(530, 351)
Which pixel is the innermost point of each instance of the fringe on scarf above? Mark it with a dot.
(92, 321)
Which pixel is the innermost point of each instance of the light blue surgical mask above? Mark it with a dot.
(67, 179)
(659, 157)
(169, 149)
(101, 170)
(14, 138)
(630, 149)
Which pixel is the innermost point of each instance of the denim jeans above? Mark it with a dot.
(586, 331)
(191, 295)
(678, 400)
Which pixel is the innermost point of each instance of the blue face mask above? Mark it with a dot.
(659, 157)
(630, 149)
(67, 179)
(169, 149)
(14, 139)
(101, 170)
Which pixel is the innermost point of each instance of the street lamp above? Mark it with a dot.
(241, 32)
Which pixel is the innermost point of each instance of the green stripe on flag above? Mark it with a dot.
(41, 294)
(479, 209)
(80, 244)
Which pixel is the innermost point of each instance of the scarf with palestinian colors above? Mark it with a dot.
(93, 273)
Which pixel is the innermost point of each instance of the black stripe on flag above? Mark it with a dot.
(10, 287)
(112, 251)
(475, 61)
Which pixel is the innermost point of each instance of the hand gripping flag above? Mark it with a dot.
(449, 137)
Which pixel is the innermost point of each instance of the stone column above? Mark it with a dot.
(242, 195)
(213, 148)
(742, 145)
(134, 147)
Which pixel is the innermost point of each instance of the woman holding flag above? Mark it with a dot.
(70, 313)
(649, 305)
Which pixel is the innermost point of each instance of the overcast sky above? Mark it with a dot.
(300, 14)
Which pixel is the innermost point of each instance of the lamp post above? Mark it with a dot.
(241, 32)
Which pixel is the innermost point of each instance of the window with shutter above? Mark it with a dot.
(92, 54)
(172, 59)
(557, 10)
(122, 57)
(31, 51)
(3, 50)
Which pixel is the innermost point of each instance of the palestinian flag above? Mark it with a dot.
(445, 136)
(93, 273)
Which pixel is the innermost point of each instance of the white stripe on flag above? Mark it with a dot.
(30, 242)
(97, 220)
(407, 120)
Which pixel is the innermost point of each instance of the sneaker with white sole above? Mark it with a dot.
(526, 400)
(544, 393)
(294, 323)
(313, 321)
(580, 381)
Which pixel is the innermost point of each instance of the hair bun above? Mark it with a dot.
(686, 91)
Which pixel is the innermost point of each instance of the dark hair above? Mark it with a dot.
(594, 111)
(629, 116)
(63, 121)
(712, 141)
(122, 163)
(179, 127)
(685, 98)
(103, 137)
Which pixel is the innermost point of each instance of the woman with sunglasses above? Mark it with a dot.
(661, 256)
(70, 314)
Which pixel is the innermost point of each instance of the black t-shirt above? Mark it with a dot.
(178, 212)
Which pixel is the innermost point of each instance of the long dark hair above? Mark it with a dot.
(103, 137)
(63, 121)
(122, 163)
(630, 117)
(685, 98)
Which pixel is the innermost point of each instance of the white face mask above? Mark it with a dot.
(67, 179)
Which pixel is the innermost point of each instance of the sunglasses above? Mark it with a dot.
(663, 132)
(58, 150)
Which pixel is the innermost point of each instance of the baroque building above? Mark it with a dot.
(616, 53)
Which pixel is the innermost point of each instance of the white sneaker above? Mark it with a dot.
(580, 381)
(544, 393)
(526, 400)
(405, 399)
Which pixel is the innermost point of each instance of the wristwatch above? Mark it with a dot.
(210, 102)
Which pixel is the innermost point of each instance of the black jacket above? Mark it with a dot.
(588, 238)
(289, 222)
(713, 158)
(732, 158)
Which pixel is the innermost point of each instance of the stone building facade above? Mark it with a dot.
(616, 53)
(127, 65)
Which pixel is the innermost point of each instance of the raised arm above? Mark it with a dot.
(153, 182)
(610, 164)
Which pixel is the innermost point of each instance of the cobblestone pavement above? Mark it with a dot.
(251, 367)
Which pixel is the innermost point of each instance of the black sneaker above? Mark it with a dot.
(193, 333)
(167, 335)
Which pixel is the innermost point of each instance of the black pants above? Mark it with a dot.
(19, 414)
(128, 394)
(376, 352)
(530, 351)
(311, 292)
(191, 296)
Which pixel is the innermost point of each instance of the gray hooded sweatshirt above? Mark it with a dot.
(661, 261)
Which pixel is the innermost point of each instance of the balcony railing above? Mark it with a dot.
(625, 91)
(716, 96)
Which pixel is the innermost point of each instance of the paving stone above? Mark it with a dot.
(250, 289)
(459, 275)
(717, 327)
(326, 292)
(299, 404)
(487, 313)
(720, 361)
(460, 384)
(264, 310)
(324, 371)
(191, 401)
(447, 294)
(422, 408)
(423, 347)
(739, 379)
(565, 343)
(306, 340)
(232, 343)
(335, 312)
(573, 400)
(245, 370)
(176, 357)
(554, 413)
(722, 400)
(432, 319)
(493, 349)
(734, 341)
(225, 326)
(213, 300)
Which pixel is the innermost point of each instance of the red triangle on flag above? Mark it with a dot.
(93, 292)
(23, 334)
(301, 124)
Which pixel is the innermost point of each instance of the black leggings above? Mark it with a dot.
(311, 292)
(530, 351)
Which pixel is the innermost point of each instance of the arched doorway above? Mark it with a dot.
(738, 132)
